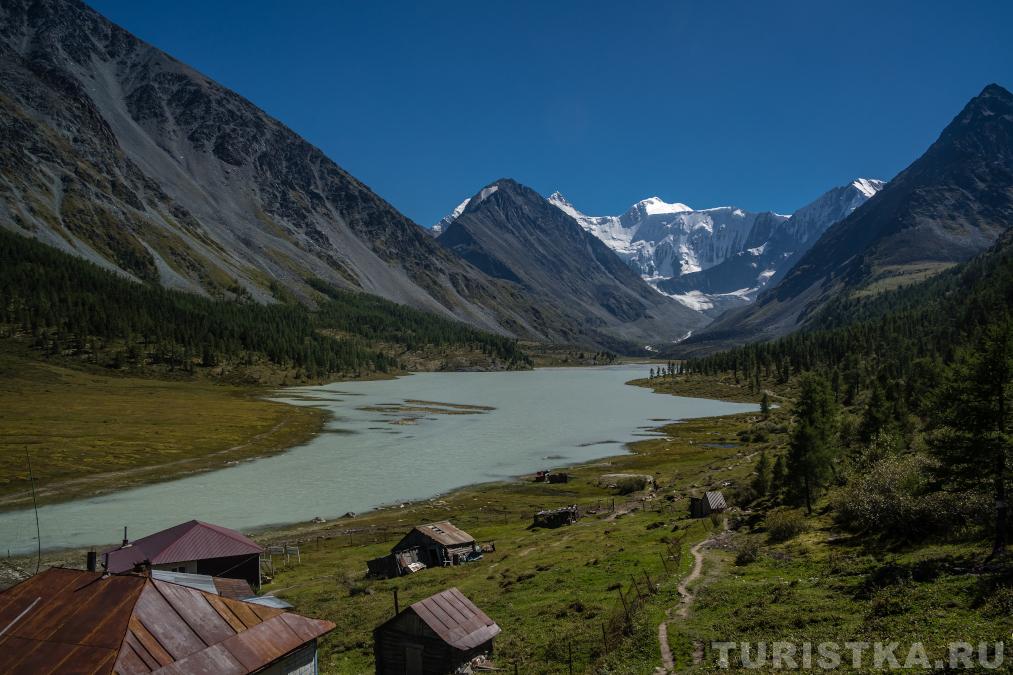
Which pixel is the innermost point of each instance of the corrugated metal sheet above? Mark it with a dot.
(268, 601)
(65, 618)
(202, 582)
(716, 500)
(83, 622)
(445, 533)
(237, 589)
(456, 619)
(192, 540)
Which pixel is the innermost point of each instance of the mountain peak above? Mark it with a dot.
(563, 204)
(993, 103)
(994, 90)
(868, 186)
(656, 205)
(558, 198)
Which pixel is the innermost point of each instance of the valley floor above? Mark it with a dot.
(561, 596)
(88, 432)
(591, 596)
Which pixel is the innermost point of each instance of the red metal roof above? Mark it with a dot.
(83, 622)
(192, 540)
(456, 619)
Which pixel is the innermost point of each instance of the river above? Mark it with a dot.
(387, 441)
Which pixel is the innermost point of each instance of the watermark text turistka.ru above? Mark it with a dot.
(845, 655)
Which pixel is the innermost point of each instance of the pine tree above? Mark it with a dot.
(778, 475)
(761, 481)
(811, 450)
(765, 405)
(973, 422)
(878, 415)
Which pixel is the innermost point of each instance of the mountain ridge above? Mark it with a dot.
(949, 204)
(116, 152)
(511, 232)
(719, 276)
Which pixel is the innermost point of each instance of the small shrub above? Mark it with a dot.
(783, 525)
(716, 520)
(1000, 603)
(743, 494)
(748, 552)
(893, 497)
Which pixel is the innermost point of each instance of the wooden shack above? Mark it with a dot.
(192, 547)
(711, 502)
(566, 515)
(438, 544)
(434, 636)
(395, 564)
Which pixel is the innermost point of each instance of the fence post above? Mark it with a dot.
(650, 584)
(626, 608)
(604, 638)
(636, 588)
(569, 656)
(664, 563)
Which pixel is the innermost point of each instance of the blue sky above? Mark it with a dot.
(764, 105)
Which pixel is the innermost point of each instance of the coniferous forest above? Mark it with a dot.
(67, 306)
(901, 406)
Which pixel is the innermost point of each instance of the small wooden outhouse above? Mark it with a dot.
(438, 635)
(711, 502)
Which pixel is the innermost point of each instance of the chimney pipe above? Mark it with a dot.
(397, 606)
(125, 540)
(92, 561)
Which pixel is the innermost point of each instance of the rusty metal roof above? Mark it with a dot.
(132, 624)
(192, 540)
(237, 589)
(63, 617)
(445, 533)
(456, 619)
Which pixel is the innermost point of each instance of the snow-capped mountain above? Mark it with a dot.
(661, 240)
(441, 227)
(711, 259)
(714, 259)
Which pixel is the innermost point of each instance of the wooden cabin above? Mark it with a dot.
(192, 547)
(438, 635)
(438, 544)
(711, 502)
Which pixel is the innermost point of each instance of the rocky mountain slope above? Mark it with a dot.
(512, 233)
(950, 204)
(114, 151)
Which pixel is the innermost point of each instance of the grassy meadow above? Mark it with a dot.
(551, 590)
(90, 432)
(556, 592)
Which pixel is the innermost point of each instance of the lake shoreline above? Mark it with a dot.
(299, 530)
(295, 528)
